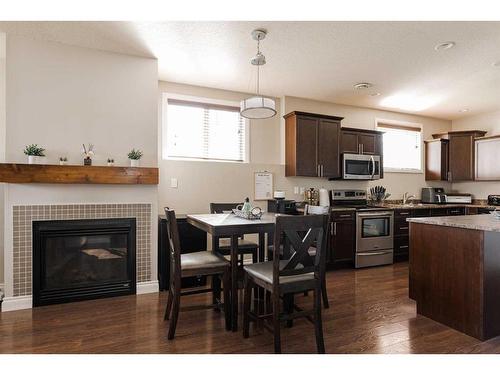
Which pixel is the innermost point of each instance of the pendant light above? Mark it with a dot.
(258, 107)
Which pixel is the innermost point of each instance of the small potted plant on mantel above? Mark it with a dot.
(34, 152)
(88, 152)
(135, 156)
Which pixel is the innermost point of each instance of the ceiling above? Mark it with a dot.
(317, 60)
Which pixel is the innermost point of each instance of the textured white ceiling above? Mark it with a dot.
(317, 60)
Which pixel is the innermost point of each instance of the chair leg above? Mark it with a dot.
(216, 291)
(276, 322)
(227, 302)
(169, 304)
(246, 306)
(175, 312)
(318, 325)
(324, 294)
(288, 301)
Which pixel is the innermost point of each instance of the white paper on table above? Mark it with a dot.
(263, 188)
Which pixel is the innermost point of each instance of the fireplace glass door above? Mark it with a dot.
(82, 259)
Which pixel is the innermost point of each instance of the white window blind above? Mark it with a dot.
(205, 131)
(402, 147)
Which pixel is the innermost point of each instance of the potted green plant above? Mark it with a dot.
(63, 160)
(34, 152)
(134, 156)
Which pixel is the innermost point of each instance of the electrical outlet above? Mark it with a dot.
(296, 190)
(302, 190)
(173, 183)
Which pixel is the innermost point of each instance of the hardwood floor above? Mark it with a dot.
(370, 312)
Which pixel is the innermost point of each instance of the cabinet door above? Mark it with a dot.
(436, 160)
(349, 142)
(343, 241)
(461, 157)
(368, 143)
(328, 147)
(306, 149)
(487, 165)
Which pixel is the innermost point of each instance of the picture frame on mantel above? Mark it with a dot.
(263, 186)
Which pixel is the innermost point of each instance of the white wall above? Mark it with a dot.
(491, 123)
(202, 182)
(61, 96)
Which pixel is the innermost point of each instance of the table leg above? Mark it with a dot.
(261, 258)
(234, 283)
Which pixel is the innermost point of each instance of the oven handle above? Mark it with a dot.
(379, 213)
(373, 166)
(374, 253)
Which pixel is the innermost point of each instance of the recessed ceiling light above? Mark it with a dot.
(375, 94)
(464, 110)
(445, 45)
(362, 85)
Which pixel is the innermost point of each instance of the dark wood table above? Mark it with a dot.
(229, 225)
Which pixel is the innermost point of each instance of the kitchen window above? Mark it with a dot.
(402, 147)
(204, 131)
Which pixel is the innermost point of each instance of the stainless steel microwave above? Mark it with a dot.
(360, 167)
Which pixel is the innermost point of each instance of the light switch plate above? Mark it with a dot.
(173, 183)
(296, 190)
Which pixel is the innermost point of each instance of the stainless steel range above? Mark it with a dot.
(374, 228)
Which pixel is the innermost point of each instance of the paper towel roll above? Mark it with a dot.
(324, 198)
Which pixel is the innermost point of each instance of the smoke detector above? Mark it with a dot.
(362, 86)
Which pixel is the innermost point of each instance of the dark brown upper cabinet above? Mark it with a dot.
(436, 160)
(360, 141)
(462, 154)
(312, 145)
(453, 157)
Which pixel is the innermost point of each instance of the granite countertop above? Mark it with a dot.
(475, 222)
(400, 206)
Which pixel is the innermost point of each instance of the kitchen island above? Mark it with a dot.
(455, 272)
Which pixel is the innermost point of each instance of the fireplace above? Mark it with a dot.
(76, 260)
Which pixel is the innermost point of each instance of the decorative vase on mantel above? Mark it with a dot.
(32, 159)
(87, 161)
(135, 162)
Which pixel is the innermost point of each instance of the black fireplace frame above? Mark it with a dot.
(47, 228)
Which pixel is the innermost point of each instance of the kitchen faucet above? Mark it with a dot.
(407, 197)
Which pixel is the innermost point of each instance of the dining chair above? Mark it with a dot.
(319, 210)
(297, 272)
(201, 263)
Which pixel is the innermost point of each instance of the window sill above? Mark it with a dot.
(206, 160)
(407, 171)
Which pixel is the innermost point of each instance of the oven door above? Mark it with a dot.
(361, 167)
(374, 231)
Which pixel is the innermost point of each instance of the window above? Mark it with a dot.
(204, 131)
(402, 147)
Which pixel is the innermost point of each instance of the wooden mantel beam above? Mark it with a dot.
(76, 174)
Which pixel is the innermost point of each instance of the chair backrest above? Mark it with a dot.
(219, 208)
(297, 234)
(174, 245)
(316, 210)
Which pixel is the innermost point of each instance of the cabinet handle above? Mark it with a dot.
(322, 170)
(449, 176)
(334, 229)
(346, 215)
(317, 170)
(362, 148)
(404, 247)
(403, 228)
(404, 213)
(331, 229)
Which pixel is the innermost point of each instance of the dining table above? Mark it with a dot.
(228, 225)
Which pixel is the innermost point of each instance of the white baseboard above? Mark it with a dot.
(148, 287)
(17, 303)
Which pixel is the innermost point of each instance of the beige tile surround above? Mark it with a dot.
(23, 217)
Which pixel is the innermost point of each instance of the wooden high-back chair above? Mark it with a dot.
(201, 263)
(298, 271)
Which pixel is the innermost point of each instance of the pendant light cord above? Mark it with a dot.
(258, 67)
